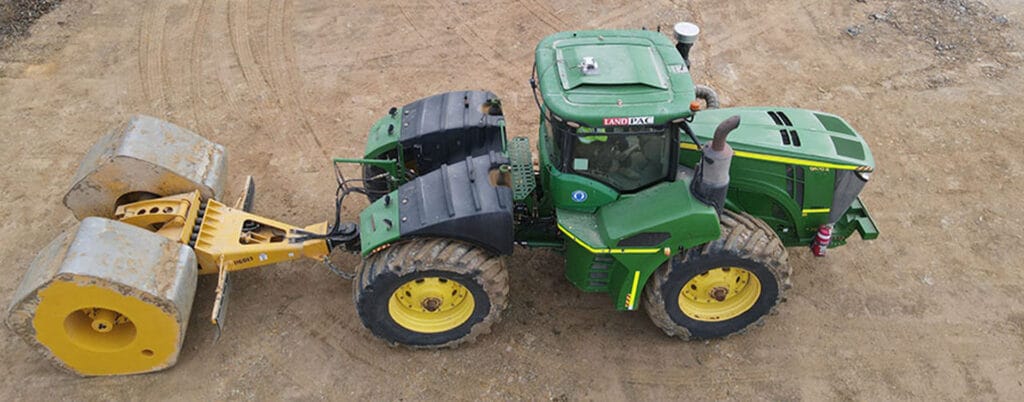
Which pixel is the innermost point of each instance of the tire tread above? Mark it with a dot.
(438, 254)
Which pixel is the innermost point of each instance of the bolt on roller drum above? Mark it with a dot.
(145, 158)
(107, 298)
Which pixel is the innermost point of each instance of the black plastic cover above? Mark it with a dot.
(449, 127)
(645, 239)
(458, 201)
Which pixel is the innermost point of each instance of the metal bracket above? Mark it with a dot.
(220, 302)
(388, 165)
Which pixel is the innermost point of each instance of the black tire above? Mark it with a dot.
(746, 243)
(481, 273)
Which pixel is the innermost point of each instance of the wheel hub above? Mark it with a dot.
(103, 320)
(431, 305)
(719, 294)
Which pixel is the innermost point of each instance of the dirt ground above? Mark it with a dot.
(933, 309)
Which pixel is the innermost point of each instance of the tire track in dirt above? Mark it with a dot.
(292, 77)
(215, 41)
(174, 51)
(199, 16)
(253, 97)
(241, 43)
(612, 19)
(276, 68)
(408, 20)
(544, 16)
(812, 11)
(474, 41)
(150, 44)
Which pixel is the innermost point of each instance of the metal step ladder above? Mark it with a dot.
(521, 158)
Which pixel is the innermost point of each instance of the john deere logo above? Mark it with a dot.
(579, 195)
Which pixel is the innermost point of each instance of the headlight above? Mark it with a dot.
(864, 175)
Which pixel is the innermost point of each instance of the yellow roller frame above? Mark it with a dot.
(222, 238)
(229, 236)
(99, 331)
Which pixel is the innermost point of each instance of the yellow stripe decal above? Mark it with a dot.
(781, 159)
(815, 211)
(632, 292)
(608, 250)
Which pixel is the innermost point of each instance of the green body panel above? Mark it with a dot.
(665, 208)
(789, 187)
(622, 291)
(374, 230)
(584, 227)
(561, 187)
(640, 73)
(379, 140)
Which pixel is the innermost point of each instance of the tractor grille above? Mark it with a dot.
(600, 271)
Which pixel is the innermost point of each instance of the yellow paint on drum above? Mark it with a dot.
(106, 298)
(146, 341)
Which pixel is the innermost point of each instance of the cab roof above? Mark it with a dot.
(590, 76)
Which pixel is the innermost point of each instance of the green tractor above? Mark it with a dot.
(634, 185)
(649, 197)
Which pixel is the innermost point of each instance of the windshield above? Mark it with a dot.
(626, 158)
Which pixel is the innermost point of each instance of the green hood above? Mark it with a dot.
(772, 133)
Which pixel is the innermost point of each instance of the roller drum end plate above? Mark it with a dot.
(107, 298)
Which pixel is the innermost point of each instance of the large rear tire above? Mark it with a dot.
(723, 287)
(431, 293)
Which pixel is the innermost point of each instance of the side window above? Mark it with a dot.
(554, 153)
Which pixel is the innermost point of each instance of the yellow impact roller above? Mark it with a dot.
(107, 298)
(113, 294)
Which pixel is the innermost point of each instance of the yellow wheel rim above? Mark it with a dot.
(719, 294)
(431, 305)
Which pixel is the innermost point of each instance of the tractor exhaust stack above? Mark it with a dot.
(711, 181)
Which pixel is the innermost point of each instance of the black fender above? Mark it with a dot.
(461, 200)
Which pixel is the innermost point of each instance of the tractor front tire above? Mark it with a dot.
(723, 287)
(431, 293)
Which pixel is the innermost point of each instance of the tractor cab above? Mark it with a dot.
(612, 103)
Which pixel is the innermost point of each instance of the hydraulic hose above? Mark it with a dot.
(709, 95)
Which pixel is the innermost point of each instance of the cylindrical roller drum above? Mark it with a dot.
(107, 298)
(145, 158)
